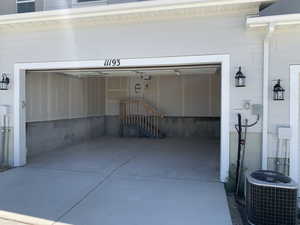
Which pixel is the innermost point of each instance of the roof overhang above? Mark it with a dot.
(280, 20)
(125, 10)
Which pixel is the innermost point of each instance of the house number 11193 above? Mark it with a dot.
(112, 62)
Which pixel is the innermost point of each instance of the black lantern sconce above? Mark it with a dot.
(4, 82)
(240, 78)
(278, 92)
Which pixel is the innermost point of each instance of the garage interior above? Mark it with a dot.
(65, 108)
(167, 105)
(152, 132)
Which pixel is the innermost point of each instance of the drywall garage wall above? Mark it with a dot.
(62, 110)
(191, 103)
(187, 95)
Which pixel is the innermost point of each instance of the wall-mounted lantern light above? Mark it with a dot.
(240, 78)
(278, 92)
(4, 82)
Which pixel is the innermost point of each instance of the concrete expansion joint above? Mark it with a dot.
(99, 184)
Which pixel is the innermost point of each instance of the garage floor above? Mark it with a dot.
(113, 181)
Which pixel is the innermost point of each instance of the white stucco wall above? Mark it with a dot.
(197, 36)
(285, 49)
(204, 35)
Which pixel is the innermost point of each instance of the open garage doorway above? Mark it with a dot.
(85, 106)
(71, 113)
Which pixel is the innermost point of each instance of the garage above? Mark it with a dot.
(126, 113)
(121, 144)
(67, 103)
(178, 128)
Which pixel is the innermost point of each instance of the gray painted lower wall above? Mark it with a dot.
(50, 135)
(112, 125)
(208, 127)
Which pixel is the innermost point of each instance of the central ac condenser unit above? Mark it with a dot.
(271, 198)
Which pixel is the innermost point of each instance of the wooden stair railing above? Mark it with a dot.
(138, 113)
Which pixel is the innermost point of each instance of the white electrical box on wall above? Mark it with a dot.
(284, 133)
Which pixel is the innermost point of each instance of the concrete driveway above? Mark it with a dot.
(113, 181)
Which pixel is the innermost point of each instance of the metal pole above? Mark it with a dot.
(239, 129)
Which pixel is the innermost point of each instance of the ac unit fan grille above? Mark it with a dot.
(267, 205)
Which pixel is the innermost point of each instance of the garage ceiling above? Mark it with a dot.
(178, 71)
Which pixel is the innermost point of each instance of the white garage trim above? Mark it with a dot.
(141, 9)
(277, 20)
(294, 121)
(19, 95)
